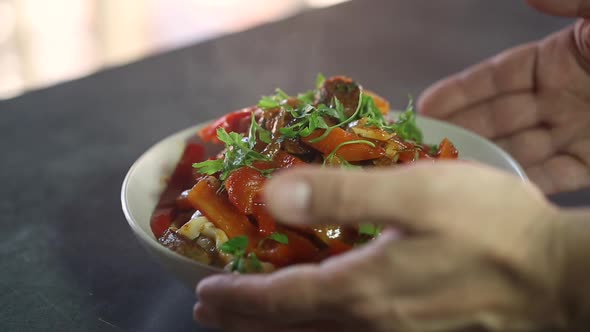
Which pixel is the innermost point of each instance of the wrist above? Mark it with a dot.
(575, 272)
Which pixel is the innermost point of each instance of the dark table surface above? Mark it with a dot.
(68, 261)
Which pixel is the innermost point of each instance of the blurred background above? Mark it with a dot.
(44, 42)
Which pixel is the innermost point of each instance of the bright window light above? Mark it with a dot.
(323, 3)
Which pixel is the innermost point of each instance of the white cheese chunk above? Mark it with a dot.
(200, 225)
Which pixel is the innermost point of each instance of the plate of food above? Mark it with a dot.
(194, 199)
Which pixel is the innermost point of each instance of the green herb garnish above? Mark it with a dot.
(263, 134)
(433, 149)
(255, 263)
(268, 102)
(312, 118)
(406, 127)
(277, 237)
(235, 246)
(238, 153)
(274, 101)
(370, 230)
(307, 97)
(307, 118)
(319, 81)
(333, 153)
(241, 263)
(340, 111)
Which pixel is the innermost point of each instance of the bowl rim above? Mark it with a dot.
(134, 224)
(152, 241)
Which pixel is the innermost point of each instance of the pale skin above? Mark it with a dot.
(533, 100)
(479, 249)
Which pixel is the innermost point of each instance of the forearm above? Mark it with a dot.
(576, 272)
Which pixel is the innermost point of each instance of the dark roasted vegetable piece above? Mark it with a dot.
(344, 89)
(184, 246)
(298, 250)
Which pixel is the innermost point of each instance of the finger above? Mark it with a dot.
(500, 116)
(206, 316)
(529, 147)
(232, 322)
(211, 317)
(509, 72)
(416, 198)
(290, 295)
(244, 323)
(582, 37)
(560, 174)
(574, 8)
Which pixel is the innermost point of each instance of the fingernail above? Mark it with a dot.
(289, 200)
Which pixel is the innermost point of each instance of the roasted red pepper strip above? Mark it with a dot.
(446, 150)
(334, 241)
(266, 223)
(351, 152)
(238, 121)
(218, 210)
(337, 247)
(161, 220)
(285, 160)
(242, 187)
(182, 203)
(298, 250)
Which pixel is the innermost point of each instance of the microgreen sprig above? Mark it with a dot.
(277, 237)
(332, 154)
(241, 262)
(239, 152)
(370, 230)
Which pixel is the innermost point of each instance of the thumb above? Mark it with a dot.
(572, 8)
(582, 36)
(415, 198)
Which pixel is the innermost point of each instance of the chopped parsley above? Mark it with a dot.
(370, 230)
(277, 237)
(235, 246)
(274, 101)
(433, 149)
(319, 81)
(263, 134)
(241, 263)
(307, 118)
(239, 152)
(405, 126)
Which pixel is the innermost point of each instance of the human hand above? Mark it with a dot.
(480, 249)
(533, 100)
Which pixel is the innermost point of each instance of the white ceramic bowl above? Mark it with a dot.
(144, 183)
